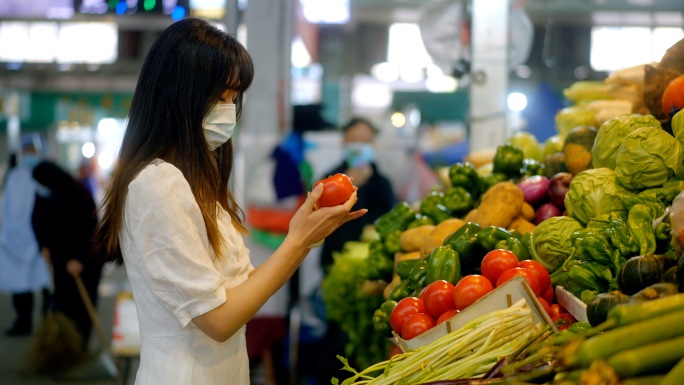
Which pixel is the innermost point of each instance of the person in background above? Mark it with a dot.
(171, 219)
(23, 270)
(65, 219)
(375, 193)
(375, 190)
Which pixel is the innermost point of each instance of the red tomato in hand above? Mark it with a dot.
(539, 271)
(336, 190)
(416, 324)
(438, 297)
(496, 262)
(520, 271)
(405, 308)
(469, 289)
(446, 315)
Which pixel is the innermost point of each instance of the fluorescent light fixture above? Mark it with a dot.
(326, 12)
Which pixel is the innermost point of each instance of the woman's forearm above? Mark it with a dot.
(244, 300)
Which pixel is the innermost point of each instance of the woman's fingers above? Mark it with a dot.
(313, 197)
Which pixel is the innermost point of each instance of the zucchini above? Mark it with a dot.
(626, 314)
(655, 357)
(625, 338)
(644, 380)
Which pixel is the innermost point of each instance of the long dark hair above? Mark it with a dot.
(184, 75)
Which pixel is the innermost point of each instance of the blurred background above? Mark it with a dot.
(441, 79)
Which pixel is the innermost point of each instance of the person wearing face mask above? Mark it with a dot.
(23, 270)
(375, 192)
(169, 215)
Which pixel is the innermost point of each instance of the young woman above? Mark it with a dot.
(169, 215)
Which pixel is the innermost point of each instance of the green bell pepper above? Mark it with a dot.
(379, 264)
(402, 290)
(464, 174)
(392, 243)
(663, 232)
(666, 193)
(490, 236)
(381, 318)
(640, 225)
(508, 160)
(404, 267)
(418, 272)
(532, 167)
(490, 180)
(443, 264)
(396, 219)
(458, 200)
(433, 206)
(515, 246)
(420, 220)
(586, 279)
(464, 242)
(618, 233)
(593, 246)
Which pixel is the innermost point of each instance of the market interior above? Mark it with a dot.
(443, 81)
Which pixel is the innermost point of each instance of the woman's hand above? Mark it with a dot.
(311, 224)
(74, 267)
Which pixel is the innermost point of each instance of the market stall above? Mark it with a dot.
(546, 263)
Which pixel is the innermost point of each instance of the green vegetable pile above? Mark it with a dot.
(349, 305)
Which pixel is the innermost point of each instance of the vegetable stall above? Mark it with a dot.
(589, 225)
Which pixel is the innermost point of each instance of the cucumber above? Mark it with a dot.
(675, 375)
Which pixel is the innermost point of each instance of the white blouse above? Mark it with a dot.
(175, 276)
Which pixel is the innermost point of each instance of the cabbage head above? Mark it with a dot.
(612, 133)
(573, 116)
(550, 242)
(594, 192)
(528, 144)
(677, 124)
(648, 157)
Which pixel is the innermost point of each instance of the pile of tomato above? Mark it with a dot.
(441, 300)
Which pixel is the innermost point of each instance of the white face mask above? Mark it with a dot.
(219, 124)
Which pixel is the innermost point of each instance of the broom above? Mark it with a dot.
(57, 346)
(101, 364)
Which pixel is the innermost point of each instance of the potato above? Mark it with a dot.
(527, 211)
(522, 225)
(413, 239)
(500, 204)
(439, 233)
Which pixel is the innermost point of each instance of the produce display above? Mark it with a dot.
(597, 209)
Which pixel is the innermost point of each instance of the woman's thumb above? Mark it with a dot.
(314, 195)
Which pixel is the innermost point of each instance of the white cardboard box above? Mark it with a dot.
(572, 304)
(500, 298)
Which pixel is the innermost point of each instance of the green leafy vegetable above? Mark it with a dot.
(648, 157)
(551, 243)
(612, 133)
(594, 192)
(350, 308)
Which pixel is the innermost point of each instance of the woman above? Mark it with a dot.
(64, 220)
(171, 219)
